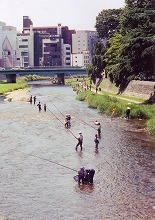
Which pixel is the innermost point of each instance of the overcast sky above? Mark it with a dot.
(76, 14)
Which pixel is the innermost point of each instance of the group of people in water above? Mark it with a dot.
(84, 176)
(33, 99)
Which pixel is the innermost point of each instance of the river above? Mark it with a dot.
(37, 152)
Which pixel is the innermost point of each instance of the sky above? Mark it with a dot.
(76, 14)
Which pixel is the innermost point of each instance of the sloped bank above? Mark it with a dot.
(104, 104)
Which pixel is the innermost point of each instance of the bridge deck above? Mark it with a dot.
(44, 71)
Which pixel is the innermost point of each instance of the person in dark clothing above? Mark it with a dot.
(45, 107)
(91, 176)
(34, 100)
(96, 141)
(128, 112)
(99, 130)
(31, 99)
(39, 107)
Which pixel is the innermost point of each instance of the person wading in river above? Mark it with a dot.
(80, 140)
(39, 107)
(96, 141)
(31, 99)
(34, 100)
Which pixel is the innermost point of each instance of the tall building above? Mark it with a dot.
(83, 41)
(25, 49)
(45, 53)
(52, 55)
(7, 45)
(82, 47)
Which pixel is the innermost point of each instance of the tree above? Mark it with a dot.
(112, 58)
(97, 65)
(136, 49)
(108, 23)
(138, 31)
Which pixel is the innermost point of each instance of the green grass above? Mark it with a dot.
(21, 83)
(9, 87)
(104, 104)
(151, 126)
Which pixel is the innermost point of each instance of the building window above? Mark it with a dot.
(24, 40)
(23, 46)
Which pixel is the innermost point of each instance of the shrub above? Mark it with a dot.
(151, 126)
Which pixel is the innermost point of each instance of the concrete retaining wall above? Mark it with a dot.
(140, 89)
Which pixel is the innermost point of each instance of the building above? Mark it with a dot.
(81, 59)
(66, 55)
(52, 55)
(82, 47)
(7, 45)
(83, 41)
(25, 49)
(50, 42)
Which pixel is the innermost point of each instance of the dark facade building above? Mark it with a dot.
(52, 56)
(27, 22)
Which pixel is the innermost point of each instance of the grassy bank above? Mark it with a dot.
(108, 99)
(104, 104)
(21, 83)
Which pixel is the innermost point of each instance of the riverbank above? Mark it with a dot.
(105, 105)
(106, 99)
(20, 95)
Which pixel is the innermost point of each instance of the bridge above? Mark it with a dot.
(51, 71)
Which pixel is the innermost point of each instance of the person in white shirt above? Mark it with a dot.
(80, 140)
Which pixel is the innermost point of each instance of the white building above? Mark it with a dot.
(66, 55)
(81, 59)
(25, 49)
(7, 45)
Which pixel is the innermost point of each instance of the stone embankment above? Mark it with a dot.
(140, 89)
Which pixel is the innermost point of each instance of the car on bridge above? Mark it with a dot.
(1, 68)
(16, 68)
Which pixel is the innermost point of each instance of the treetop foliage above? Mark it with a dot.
(131, 42)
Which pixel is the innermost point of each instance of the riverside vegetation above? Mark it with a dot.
(104, 102)
(20, 84)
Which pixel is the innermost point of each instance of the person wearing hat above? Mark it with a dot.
(80, 140)
(128, 112)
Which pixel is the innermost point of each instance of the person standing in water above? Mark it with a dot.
(31, 99)
(80, 140)
(39, 107)
(45, 106)
(99, 130)
(96, 141)
(34, 100)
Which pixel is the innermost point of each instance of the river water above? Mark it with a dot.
(34, 187)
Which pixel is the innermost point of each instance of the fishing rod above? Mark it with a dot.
(74, 116)
(32, 155)
(57, 117)
(54, 105)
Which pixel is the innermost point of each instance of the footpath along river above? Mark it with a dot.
(32, 188)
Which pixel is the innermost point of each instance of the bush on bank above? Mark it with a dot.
(104, 104)
(151, 126)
